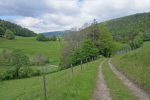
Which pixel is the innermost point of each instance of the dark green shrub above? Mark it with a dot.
(137, 42)
(18, 60)
(146, 35)
(9, 74)
(41, 37)
(53, 38)
(2, 31)
(22, 73)
(9, 35)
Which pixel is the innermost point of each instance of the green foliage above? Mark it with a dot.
(105, 42)
(2, 31)
(126, 28)
(41, 37)
(53, 38)
(86, 51)
(137, 42)
(60, 85)
(87, 43)
(23, 72)
(9, 35)
(16, 29)
(146, 35)
(19, 60)
(89, 50)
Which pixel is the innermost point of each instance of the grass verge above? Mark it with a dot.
(136, 65)
(60, 85)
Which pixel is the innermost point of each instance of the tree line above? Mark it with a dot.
(41, 37)
(86, 44)
(129, 29)
(16, 29)
(104, 39)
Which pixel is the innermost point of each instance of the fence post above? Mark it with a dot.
(71, 68)
(44, 85)
(81, 65)
(87, 61)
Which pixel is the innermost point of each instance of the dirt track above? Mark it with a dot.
(139, 93)
(101, 92)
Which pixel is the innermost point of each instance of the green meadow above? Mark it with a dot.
(31, 47)
(62, 85)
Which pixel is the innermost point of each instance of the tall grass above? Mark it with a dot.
(61, 85)
(136, 65)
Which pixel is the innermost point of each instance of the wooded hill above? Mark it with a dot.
(16, 29)
(126, 28)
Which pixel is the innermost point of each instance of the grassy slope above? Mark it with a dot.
(31, 47)
(60, 85)
(136, 65)
(117, 89)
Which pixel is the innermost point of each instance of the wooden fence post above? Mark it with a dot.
(87, 61)
(81, 65)
(71, 68)
(44, 85)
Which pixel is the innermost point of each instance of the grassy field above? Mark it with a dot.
(136, 65)
(60, 85)
(30, 46)
(117, 89)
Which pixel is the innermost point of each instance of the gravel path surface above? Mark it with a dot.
(101, 92)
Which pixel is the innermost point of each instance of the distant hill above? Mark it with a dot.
(56, 33)
(127, 27)
(16, 29)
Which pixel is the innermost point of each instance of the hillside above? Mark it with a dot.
(56, 33)
(136, 65)
(31, 47)
(17, 30)
(125, 28)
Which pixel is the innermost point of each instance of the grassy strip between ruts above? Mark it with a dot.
(60, 85)
(117, 89)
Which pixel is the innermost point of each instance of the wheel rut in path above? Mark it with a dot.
(101, 92)
(138, 92)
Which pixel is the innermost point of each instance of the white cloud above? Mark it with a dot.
(28, 21)
(52, 15)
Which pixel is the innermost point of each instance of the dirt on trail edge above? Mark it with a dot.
(101, 92)
(138, 92)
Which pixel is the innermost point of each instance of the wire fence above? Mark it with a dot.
(61, 80)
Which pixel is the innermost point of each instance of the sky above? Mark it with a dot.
(55, 15)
